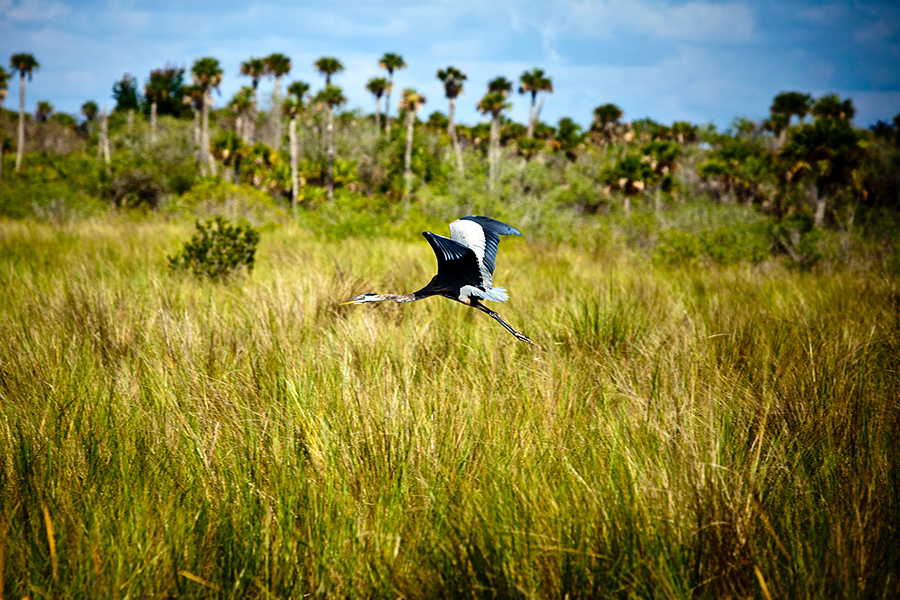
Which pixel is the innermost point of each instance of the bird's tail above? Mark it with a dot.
(497, 294)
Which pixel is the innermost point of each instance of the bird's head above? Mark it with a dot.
(363, 299)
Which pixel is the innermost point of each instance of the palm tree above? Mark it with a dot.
(240, 104)
(156, 90)
(377, 86)
(277, 66)
(4, 88)
(494, 102)
(125, 91)
(254, 68)
(25, 64)
(332, 96)
(43, 111)
(831, 107)
(292, 107)
(328, 66)
(391, 62)
(103, 142)
(453, 86)
(606, 118)
(568, 138)
(411, 102)
(207, 77)
(500, 85)
(534, 82)
(664, 156)
(787, 104)
(193, 97)
(826, 153)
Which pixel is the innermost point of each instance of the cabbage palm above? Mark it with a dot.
(207, 76)
(453, 80)
(4, 88)
(241, 104)
(534, 82)
(328, 66)
(411, 102)
(277, 66)
(42, 114)
(606, 118)
(378, 86)
(332, 96)
(25, 64)
(831, 107)
(784, 106)
(292, 107)
(500, 85)
(494, 102)
(156, 90)
(825, 153)
(254, 68)
(390, 62)
(193, 97)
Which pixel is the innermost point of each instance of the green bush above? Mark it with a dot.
(731, 245)
(677, 248)
(218, 250)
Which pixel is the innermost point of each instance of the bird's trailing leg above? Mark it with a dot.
(476, 304)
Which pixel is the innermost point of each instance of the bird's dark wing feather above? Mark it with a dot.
(492, 231)
(456, 263)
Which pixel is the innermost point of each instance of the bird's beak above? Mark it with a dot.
(351, 301)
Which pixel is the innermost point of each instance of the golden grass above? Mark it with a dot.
(674, 434)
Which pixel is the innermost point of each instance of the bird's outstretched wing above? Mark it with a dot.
(456, 263)
(482, 235)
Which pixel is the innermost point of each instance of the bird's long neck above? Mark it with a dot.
(395, 297)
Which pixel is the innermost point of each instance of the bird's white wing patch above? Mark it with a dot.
(471, 235)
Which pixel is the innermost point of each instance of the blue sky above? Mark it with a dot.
(700, 60)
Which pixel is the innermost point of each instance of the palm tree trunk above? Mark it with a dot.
(197, 137)
(251, 129)
(378, 114)
(531, 117)
(387, 109)
(1, 141)
(153, 122)
(295, 156)
(494, 152)
(537, 116)
(276, 112)
(451, 129)
(21, 144)
(329, 131)
(819, 195)
(627, 204)
(104, 136)
(204, 136)
(407, 159)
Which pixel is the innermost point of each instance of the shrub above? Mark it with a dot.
(218, 250)
(677, 248)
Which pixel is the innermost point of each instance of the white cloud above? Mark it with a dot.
(32, 10)
(696, 21)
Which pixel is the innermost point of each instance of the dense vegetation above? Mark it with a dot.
(711, 409)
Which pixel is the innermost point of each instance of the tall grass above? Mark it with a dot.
(704, 432)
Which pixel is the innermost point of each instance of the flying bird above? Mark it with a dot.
(465, 267)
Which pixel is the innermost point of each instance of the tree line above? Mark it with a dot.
(775, 164)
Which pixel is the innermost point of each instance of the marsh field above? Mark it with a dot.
(711, 410)
(679, 431)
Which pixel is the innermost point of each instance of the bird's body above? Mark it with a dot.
(465, 268)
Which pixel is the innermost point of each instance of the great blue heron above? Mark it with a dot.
(465, 266)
